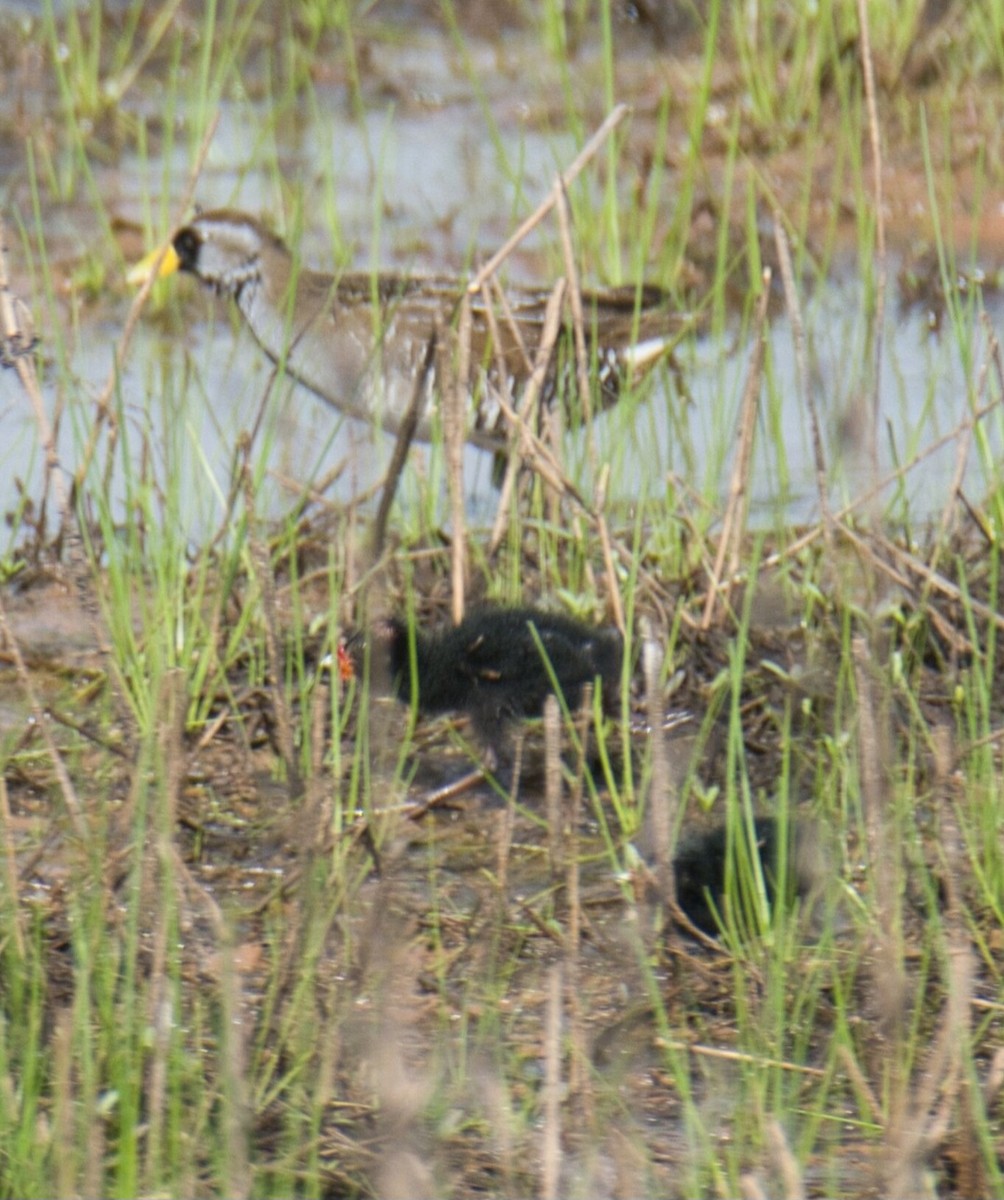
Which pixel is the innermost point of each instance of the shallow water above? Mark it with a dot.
(193, 397)
(442, 186)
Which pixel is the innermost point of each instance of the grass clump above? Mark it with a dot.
(250, 947)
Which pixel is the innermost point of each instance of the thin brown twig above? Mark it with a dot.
(876, 489)
(493, 289)
(606, 547)
(880, 565)
(543, 462)
(568, 175)
(740, 1056)
(938, 582)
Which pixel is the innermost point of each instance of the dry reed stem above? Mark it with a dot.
(923, 1107)
(493, 294)
(737, 505)
(751, 1188)
(556, 198)
(312, 492)
(551, 1137)
(492, 290)
(578, 1072)
(552, 786)
(994, 348)
(804, 385)
(507, 826)
(878, 201)
(67, 790)
(519, 427)
(236, 1107)
(161, 1015)
(889, 984)
(104, 412)
(741, 1056)
(236, 1116)
(785, 1162)
(63, 1136)
(662, 793)
(872, 738)
(607, 550)
(573, 169)
(542, 461)
(995, 1078)
(262, 568)
(861, 1084)
(454, 410)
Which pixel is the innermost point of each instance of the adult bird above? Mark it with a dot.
(371, 344)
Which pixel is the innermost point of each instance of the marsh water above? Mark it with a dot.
(449, 146)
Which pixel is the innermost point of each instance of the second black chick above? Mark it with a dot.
(492, 668)
(701, 868)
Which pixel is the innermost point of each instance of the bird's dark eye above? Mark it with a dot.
(187, 245)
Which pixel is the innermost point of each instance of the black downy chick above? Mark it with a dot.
(701, 864)
(492, 668)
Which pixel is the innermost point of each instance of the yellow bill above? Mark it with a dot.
(140, 272)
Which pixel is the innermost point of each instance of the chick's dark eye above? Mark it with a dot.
(186, 246)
